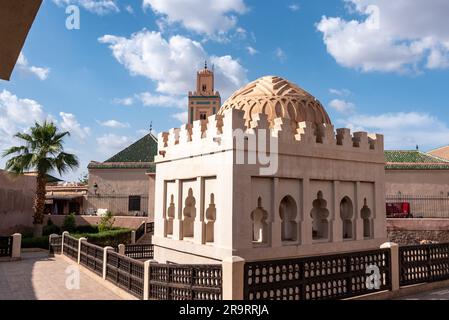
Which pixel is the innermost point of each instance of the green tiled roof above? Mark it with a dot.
(142, 150)
(413, 160)
(139, 155)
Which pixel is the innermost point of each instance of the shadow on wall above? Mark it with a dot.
(16, 203)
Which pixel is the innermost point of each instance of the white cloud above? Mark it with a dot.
(182, 116)
(151, 100)
(100, 7)
(71, 124)
(280, 54)
(111, 143)
(294, 7)
(124, 101)
(342, 106)
(173, 63)
(402, 130)
(129, 9)
(383, 40)
(41, 73)
(113, 124)
(208, 17)
(340, 92)
(251, 51)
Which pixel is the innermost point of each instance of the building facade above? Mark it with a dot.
(204, 101)
(267, 178)
(124, 184)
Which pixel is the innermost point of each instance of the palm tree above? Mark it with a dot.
(42, 151)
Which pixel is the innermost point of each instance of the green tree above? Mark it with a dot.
(41, 151)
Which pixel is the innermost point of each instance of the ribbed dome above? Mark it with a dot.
(277, 98)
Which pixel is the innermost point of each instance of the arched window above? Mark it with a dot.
(211, 215)
(259, 218)
(288, 211)
(320, 214)
(188, 215)
(347, 215)
(170, 216)
(365, 214)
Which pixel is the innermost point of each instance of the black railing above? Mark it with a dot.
(55, 245)
(140, 232)
(91, 256)
(423, 263)
(150, 227)
(424, 206)
(139, 251)
(126, 273)
(185, 282)
(5, 246)
(319, 278)
(70, 247)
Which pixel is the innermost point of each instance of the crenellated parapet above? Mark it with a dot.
(221, 132)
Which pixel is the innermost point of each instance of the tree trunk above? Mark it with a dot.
(39, 204)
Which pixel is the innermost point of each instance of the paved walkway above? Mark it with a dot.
(40, 277)
(438, 294)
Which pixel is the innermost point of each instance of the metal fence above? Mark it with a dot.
(185, 282)
(126, 273)
(425, 206)
(423, 263)
(55, 244)
(139, 251)
(119, 205)
(144, 228)
(5, 246)
(316, 278)
(70, 247)
(91, 256)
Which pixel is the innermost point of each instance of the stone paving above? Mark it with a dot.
(40, 277)
(438, 294)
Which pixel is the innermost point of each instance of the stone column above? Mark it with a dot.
(177, 221)
(65, 233)
(105, 260)
(357, 212)
(133, 237)
(337, 223)
(121, 249)
(233, 278)
(199, 225)
(275, 222)
(16, 245)
(306, 202)
(79, 248)
(146, 279)
(395, 272)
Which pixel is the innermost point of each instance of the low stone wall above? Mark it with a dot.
(122, 222)
(412, 231)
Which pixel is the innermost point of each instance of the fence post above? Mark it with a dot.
(105, 260)
(233, 278)
(16, 245)
(79, 248)
(146, 280)
(62, 246)
(121, 249)
(395, 271)
(133, 237)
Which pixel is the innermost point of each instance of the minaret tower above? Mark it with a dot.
(204, 102)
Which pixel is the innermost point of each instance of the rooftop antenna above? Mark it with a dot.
(205, 64)
(151, 126)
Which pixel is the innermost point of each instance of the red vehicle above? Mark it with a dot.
(399, 210)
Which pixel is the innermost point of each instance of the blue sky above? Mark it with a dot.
(375, 66)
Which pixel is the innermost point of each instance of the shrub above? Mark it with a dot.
(86, 229)
(106, 222)
(69, 223)
(112, 237)
(50, 228)
(39, 242)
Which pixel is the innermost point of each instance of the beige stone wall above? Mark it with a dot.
(417, 182)
(195, 164)
(412, 231)
(16, 203)
(114, 188)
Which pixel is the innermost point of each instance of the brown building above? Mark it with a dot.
(124, 184)
(205, 101)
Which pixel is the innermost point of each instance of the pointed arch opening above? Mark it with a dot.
(320, 215)
(170, 216)
(288, 211)
(188, 215)
(347, 216)
(259, 223)
(365, 214)
(211, 216)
